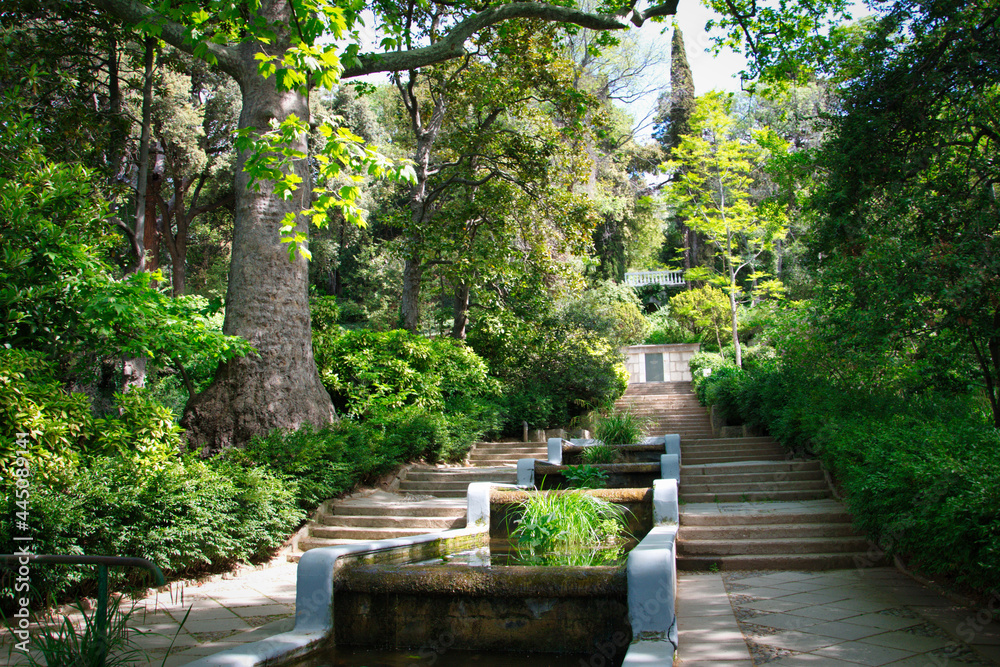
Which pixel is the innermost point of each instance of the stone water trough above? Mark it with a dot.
(385, 594)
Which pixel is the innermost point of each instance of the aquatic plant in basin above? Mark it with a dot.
(569, 528)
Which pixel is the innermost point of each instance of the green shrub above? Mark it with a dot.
(921, 471)
(665, 330)
(550, 372)
(143, 429)
(585, 477)
(33, 402)
(184, 515)
(704, 311)
(611, 310)
(370, 373)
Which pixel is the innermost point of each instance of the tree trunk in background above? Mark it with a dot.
(267, 299)
(134, 369)
(461, 312)
(413, 273)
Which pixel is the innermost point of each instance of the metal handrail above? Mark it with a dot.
(102, 563)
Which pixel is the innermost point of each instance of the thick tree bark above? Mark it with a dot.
(267, 299)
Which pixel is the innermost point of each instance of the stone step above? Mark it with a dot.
(731, 441)
(458, 492)
(753, 496)
(768, 531)
(766, 487)
(506, 449)
(801, 562)
(470, 474)
(307, 543)
(787, 465)
(749, 458)
(689, 480)
(728, 450)
(418, 488)
(425, 508)
(384, 521)
(689, 517)
(750, 547)
(364, 532)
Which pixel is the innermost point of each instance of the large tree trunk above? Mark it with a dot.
(267, 301)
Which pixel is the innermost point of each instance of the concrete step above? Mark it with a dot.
(460, 474)
(364, 532)
(459, 492)
(806, 562)
(749, 458)
(421, 487)
(787, 465)
(425, 508)
(753, 496)
(687, 481)
(762, 452)
(763, 518)
(749, 547)
(307, 543)
(768, 531)
(508, 450)
(383, 521)
(769, 486)
(731, 441)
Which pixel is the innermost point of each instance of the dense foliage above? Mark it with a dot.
(920, 468)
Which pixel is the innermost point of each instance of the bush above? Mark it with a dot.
(921, 471)
(550, 372)
(610, 310)
(184, 515)
(703, 311)
(370, 373)
(665, 330)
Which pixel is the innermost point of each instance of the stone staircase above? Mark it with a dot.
(746, 505)
(669, 407)
(505, 453)
(428, 499)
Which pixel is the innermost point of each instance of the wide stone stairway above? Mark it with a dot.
(745, 503)
(428, 499)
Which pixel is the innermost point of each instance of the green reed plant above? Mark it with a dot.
(620, 427)
(568, 525)
(67, 642)
(600, 452)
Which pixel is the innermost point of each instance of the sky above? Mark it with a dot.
(710, 72)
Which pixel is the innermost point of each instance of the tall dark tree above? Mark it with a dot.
(674, 122)
(908, 231)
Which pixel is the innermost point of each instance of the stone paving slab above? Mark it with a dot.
(222, 612)
(870, 617)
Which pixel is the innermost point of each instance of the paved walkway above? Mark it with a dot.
(225, 612)
(875, 616)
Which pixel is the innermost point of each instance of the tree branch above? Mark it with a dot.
(452, 45)
(133, 13)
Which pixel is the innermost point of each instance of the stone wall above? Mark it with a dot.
(675, 360)
(565, 609)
